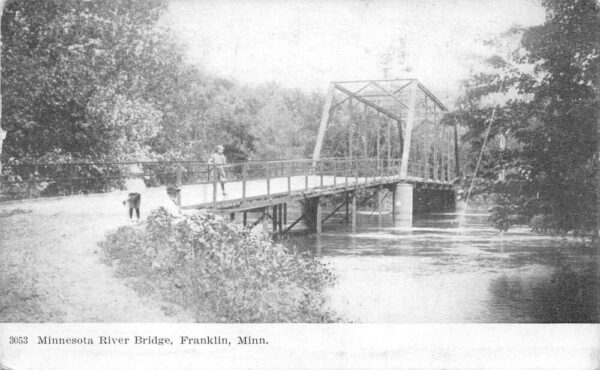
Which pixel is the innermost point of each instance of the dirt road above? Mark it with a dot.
(51, 269)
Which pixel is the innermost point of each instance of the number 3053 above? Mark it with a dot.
(17, 340)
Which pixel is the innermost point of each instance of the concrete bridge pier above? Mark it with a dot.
(402, 204)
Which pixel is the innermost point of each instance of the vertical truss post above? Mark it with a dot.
(379, 200)
(436, 153)
(427, 148)
(448, 155)
(325, 118)
(377, 143)
(408, 133)
(456, 163)
(353, 209)
(350, 129)
(401, 140)
(364, 133)
(389, 144)
(439, 152)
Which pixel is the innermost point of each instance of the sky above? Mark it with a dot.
(306, 44)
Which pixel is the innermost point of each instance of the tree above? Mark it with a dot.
(57, 56)
(550, 114)
(88, 81)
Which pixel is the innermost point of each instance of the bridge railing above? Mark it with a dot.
(33, 180)
(284, 177)
(56, 179)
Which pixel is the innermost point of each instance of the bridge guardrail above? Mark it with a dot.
(57, 179)
(331, 172)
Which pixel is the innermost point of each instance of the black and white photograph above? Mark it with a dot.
(359, 169)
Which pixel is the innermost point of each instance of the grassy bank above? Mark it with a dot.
(207, 264)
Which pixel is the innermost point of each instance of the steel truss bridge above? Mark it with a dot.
(381, 132)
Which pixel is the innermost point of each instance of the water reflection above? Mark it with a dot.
(564, 297)
(443, 271)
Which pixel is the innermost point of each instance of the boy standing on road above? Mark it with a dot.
(217, 160)
(135, 187)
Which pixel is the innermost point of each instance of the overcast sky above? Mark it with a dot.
(306, 44)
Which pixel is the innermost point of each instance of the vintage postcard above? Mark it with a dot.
(299, 184)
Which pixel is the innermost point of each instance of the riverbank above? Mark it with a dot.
(53, 270)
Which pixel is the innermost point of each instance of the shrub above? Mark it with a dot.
(211, 265)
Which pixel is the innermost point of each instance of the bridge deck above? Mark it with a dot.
(280, 189)
(252, 184)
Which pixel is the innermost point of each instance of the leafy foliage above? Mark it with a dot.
(208, 264)
(87, 81)
(542, 157)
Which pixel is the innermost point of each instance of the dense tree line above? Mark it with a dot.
(101, 81)
(541, 159)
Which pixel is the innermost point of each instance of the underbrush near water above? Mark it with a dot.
(207, 264)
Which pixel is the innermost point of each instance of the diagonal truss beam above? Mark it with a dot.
(349, 97)
(368, 103)
(402, 88)
(390, 94)
(325, 117)
(432, 97)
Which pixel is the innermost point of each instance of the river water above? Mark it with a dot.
(454, 268)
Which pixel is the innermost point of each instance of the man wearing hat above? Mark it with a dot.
(217, 160)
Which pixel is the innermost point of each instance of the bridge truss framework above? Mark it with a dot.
(406, 125)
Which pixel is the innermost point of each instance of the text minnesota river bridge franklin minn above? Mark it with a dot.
(151, 340)
(390, 132)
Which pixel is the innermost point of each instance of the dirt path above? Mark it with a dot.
(51, 269)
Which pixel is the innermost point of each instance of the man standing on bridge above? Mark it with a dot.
(217, 160)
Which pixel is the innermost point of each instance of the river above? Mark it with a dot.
(454, 268)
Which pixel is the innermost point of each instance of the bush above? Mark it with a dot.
(208, 264)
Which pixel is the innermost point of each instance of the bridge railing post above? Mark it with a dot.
(346, 170)
(244, 182)
(289, 178)
(334, 172)
(268, 176)
(306, 172)
(321, 173)
(356, 173)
